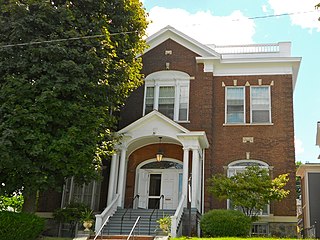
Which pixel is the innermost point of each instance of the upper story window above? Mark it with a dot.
(260, 104)
(235, 105)
(168, 92)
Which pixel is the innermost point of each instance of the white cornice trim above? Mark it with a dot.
(181, 38)
(252, 66)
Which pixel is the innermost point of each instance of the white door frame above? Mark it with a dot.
(167, 180)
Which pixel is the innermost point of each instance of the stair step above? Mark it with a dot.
(146, 225)
(117, 237)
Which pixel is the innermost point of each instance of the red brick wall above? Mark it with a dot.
(272, 144)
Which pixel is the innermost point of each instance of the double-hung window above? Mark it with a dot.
(235, 102)
(168, 92)
(260, 104)
(166, 101)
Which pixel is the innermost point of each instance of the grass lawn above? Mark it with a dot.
(234, 238)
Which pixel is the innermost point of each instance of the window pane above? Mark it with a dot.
(235, 105)
(166, 101)
(260, 104)
(183, 103)
(149, 99)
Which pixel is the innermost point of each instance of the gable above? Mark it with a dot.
(180, 38)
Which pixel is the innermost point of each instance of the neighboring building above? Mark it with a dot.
(209, 109)
(310, 181)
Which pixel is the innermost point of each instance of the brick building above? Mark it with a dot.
(207, 109)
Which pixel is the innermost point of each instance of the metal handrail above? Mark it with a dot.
(105, 222)
(134, 226)
(131, 205)
(157, 205)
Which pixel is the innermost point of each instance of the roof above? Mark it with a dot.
(235, 60)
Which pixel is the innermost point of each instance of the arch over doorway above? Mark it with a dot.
(156, 179)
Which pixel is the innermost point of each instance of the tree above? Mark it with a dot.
(66, 68)
(249, 191)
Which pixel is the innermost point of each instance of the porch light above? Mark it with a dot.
(159, 154)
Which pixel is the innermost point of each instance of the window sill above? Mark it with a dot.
(183, 121)
(247, 124)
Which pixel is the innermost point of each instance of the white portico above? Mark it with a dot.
(168, 177)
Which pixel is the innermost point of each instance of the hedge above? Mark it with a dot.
(20, 226)
(225, 223)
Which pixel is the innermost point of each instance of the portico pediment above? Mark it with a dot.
(150, 127)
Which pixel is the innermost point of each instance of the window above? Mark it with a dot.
(260, 104)
(166, 101)
(168, 92)
(149, 99)
(84, 193)
(235, 102)
(240, 166)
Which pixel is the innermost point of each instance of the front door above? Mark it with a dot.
(153, 183)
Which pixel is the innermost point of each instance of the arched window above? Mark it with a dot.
(240, 166)
(168, 92)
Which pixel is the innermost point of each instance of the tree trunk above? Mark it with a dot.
(30, 201)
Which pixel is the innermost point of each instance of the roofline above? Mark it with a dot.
(149, 115)
(175, 35)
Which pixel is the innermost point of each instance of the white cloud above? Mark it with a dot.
(264, 8)
(298, 146)
(305, 15)
(203, 26)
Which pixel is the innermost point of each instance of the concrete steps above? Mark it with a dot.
(147, 225)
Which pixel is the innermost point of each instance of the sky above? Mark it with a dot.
(226, 22)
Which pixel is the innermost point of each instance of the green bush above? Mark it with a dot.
(225, 223)
(20, 226)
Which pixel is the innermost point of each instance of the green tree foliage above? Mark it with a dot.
(251, 190)
(225, 223)
(59, 94)
(13, 203)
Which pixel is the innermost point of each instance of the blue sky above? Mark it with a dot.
(243, 22)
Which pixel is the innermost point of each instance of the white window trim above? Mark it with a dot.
(226, 106)
(260, 123)
(168, 78)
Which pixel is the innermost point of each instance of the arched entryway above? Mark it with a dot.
(156, 179)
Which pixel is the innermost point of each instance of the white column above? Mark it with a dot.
(185, 171)
(112, 178)
(156, 97)
(195, 177)
(121, 177)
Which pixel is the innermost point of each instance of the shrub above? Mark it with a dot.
(72, 213)
(225, 223)
(20, 226)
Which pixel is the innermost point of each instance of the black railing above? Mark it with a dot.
(125, 212)
(156, 207)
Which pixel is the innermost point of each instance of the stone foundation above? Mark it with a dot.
(283, 230)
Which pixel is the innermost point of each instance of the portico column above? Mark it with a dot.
(112, 179)
(121, 176)
(195, 177)
(185, 172)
